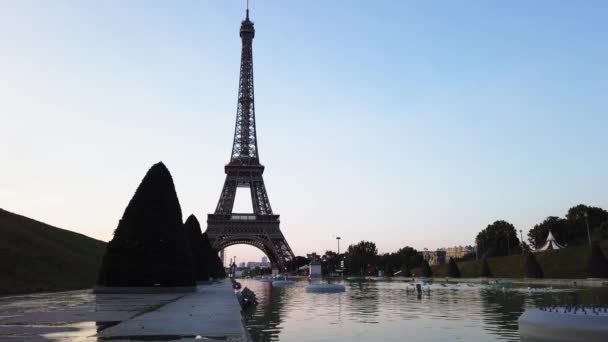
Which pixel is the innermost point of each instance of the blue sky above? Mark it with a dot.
(401, 122)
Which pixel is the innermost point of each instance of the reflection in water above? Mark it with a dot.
(501, 310)
(363, 298)
(264, 319)
(393, 311)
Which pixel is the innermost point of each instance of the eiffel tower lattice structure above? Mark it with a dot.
(261, 228)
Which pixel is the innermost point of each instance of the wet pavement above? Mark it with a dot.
(211, 312)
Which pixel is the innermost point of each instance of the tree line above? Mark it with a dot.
(500, 238)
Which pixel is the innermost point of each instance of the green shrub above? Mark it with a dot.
(406, 271)
(533, 269)
(485, 268)
(194, 237)
(426, 269)
(212, 261)
(597, 266)
(149, 246)
(453, 271)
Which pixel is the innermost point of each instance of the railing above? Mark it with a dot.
(243, 217)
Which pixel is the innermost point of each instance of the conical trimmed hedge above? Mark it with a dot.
(597, 266)
(485, 268)
(149, 247)
(453, 271)
(212, 261)
(426, 269)
(406, 271)
(533, 269)
(194, 237)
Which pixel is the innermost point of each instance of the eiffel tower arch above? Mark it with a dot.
(261, 228)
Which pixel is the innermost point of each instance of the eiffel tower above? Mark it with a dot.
(260, 229)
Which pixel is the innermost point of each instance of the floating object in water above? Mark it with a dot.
(325, 288)
(569, 323)
(283, 282)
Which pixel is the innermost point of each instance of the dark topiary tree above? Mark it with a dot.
(597, 267)
(194, 237)
(388, 270)
(453, 271)
(533, 269)
(149, 247)
(406, 271)
(212, 261)
(485, 268)
(426, 269)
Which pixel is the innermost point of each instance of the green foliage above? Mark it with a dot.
(36, 257)
(597, 266)
(212, 260)
(408, 257)
(485, 268)
(453, 271)
(194, 239)
(572, 230)
(601, 233)
(566, 263)
(497, 239)
(149, 246)
(426, 269)
(388, 269)
(297, 262)
(559, 228)
(405, 258)
(361, 258)
(330, 262)
(533, 269)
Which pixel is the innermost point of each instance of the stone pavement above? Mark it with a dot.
(211, 312)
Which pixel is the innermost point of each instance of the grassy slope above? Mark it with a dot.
(564, 263)
(37, 257)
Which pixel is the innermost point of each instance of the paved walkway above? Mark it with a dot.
(212, 312)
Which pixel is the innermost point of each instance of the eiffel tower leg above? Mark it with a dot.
(226, 202)
(259, 198)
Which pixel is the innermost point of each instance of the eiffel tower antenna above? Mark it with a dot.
(247, 18)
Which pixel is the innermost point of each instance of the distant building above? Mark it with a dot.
(254, 264)
(434, 257)
(458, 252)
(242, 265)
(264, 259)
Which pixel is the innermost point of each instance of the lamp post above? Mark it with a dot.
(338, 266)
(588, 232)
(338, 238)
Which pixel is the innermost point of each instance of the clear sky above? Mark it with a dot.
(402, 122)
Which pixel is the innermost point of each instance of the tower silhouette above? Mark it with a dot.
(260, 229)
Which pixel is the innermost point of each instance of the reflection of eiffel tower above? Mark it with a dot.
(260, 229)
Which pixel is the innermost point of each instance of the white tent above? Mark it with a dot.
(550, 244)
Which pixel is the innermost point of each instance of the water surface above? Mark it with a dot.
(372, 310)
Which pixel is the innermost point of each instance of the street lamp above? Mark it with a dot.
(338, 238)
(588, 232)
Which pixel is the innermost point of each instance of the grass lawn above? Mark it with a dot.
(37, 257)
(568, 263)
